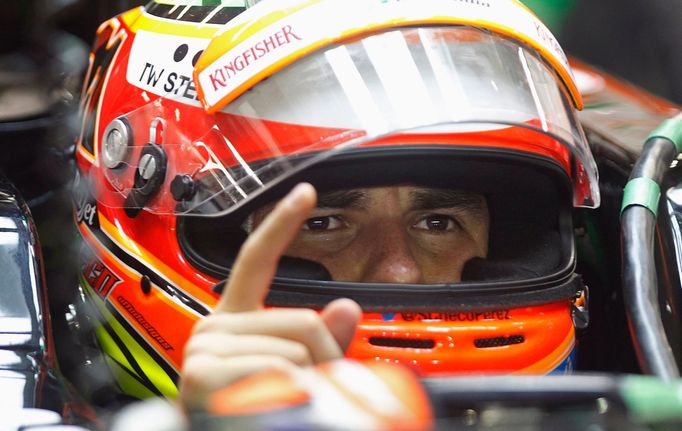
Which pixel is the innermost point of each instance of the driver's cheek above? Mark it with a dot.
(446, 255)
(442, 257)
(411, 259)
(445, 267)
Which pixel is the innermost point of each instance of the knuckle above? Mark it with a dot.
(198, 343)
(213, 323)
(300, 355)
(199, 376)
(309, 321)
(278, 362)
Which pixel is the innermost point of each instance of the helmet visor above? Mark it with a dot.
(447, 81)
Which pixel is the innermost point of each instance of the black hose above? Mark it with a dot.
(656, 157)
(641, 296)
(640, 281)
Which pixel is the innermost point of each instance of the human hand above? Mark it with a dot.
(241, 337)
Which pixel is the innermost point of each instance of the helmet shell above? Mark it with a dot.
(147, 64)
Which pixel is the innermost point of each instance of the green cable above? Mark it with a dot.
(643, 192)
(670, 129)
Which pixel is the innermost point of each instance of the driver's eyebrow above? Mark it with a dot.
(429, 199)
(342, 199)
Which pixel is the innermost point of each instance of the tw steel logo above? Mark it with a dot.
(163, 64)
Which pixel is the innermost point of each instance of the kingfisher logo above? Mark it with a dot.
(260, 49)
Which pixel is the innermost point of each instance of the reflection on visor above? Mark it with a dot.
(444, 81)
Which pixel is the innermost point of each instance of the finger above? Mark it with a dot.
(301, 325)
(341, 318)
(204, 374)
(228, 346)
(257, 261)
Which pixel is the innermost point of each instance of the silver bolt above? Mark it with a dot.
(116, 141)
(147, 166)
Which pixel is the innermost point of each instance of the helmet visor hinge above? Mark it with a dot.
(116, 143)
(150, 173)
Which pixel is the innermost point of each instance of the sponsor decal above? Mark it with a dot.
(148, 327)
(278, 43)
(100, 277)
(463, 316)
(250, 57)
(129, 260)
(163, 64)
(212, 12)
(233, 66)
(84, 202)
(86, 211)
(475, 2)
(548, 40)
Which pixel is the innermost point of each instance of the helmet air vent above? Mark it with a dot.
(484, 343)
(405, 343)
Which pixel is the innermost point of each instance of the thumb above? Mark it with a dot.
(341, 317)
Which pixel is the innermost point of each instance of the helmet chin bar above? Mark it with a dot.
(420, 297)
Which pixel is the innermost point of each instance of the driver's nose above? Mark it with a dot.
(391, 260)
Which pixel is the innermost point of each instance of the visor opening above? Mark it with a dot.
(406, 343)
(484, 343)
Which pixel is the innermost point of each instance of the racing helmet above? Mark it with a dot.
(196, 116)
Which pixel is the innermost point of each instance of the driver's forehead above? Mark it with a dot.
(407, 197)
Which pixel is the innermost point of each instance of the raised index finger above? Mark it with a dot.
(257, 261)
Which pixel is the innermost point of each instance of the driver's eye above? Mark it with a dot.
(436, 222)
(323, 223)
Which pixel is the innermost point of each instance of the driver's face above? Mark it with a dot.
(399, 234)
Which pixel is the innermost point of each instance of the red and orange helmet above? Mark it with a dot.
(195, 116)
